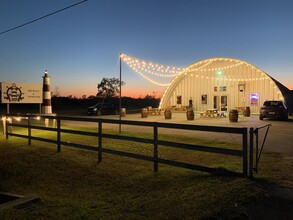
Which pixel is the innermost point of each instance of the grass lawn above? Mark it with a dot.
(72, 185)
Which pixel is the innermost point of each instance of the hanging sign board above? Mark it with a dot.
(13, 92)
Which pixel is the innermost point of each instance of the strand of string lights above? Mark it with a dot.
(152, 68)
(160, 71)
(40, 18)
(151, 80)
(213, 69)
(143, 67)
(207, 62)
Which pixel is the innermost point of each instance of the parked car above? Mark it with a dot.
(102, 109)
(274, 110)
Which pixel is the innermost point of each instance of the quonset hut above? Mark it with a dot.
(224, 84)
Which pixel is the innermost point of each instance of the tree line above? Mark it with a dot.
(108, 91)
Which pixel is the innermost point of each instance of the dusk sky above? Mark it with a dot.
(81, 45)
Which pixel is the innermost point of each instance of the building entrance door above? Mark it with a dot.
(224, 103)
(215, 102)
(220, 102)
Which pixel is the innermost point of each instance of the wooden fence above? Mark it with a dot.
(155, 141)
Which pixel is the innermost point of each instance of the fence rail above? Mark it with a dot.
(155, 141)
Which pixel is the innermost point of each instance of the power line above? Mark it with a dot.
(40, 18)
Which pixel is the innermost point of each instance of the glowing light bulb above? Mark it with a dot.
(219, 72)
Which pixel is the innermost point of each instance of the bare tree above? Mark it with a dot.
(155, 94)
(56, 92)
(109, 87)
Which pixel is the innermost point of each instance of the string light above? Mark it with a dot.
(152, 68)
(145, 68)
(149, 79)
(208, 62)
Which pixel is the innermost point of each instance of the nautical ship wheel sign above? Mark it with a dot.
(13, 93)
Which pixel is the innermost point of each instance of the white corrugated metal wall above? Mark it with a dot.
(196, 82)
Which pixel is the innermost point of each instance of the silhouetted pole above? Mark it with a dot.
(120, 106)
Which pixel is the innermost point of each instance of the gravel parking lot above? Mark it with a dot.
(280, 136)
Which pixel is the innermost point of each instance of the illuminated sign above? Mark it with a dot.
(254, 98)
(13, 92)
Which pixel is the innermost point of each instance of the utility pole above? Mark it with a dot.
(120, 103)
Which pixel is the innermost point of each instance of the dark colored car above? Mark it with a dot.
(274, 110)
(102, 109)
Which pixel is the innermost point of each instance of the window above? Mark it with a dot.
(179, 100)
(223, 88)
(204, 99)
(273, 103)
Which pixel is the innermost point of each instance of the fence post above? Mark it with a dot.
(58, 134)
(6, 128)
(244, 143)
(155, 147)
(256, 150)
(251, 152)
(29, 130)
(100, 142)
(4, 125)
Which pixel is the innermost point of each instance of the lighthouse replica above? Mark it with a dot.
(46, 106)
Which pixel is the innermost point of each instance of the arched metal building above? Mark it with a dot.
(224, 84)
